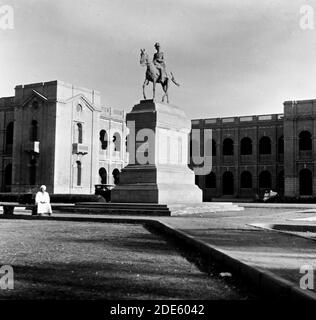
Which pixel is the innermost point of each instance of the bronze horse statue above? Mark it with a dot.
(153, 75)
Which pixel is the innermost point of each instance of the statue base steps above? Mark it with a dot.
(147, 209)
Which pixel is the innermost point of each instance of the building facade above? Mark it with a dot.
(56, 134)
(253, 153)
(59, 135)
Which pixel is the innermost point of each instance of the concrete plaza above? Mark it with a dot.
(276, 255)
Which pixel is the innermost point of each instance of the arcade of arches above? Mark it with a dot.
(249, 179)
(105, 141)
(105, 179)
(264, 181)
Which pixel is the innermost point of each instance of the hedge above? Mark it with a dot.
(73, 198)
(54, 198)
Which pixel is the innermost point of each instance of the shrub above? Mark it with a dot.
(74, 198)
(54, 198)
(10, 197)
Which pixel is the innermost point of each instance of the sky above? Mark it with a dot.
(230, 57)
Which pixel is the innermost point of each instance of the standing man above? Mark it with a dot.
(42, 201)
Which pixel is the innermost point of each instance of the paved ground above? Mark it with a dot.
(282, 254)
(279, 253)
(86, 260)
(232, 233)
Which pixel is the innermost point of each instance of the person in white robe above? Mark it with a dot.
(42, 201)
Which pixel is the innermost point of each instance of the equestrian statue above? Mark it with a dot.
(156, 72)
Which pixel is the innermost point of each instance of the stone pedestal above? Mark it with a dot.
(158, 166)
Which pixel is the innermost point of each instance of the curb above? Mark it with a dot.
(264, 280)
(288, 227)
(298, 206)
(270, 227)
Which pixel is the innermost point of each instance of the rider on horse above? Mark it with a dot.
(156, 72)
(159, 62)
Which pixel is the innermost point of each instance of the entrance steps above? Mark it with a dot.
(149, 209)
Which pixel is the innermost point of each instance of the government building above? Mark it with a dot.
(60, 135)
(251, 154)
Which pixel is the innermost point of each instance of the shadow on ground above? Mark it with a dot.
(80, 260)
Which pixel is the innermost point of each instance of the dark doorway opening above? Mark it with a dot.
(246, 180)
(306, 182)
(265, 181)
(228, 183)
(210, 180)
(8, 177)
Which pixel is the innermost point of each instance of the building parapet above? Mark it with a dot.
(300, 109)
(295, 102)
(7, 102)
(237, 120)
(113, 113)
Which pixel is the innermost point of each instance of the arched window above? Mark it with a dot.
(265, 180)
(116, 176)
(265, 145)
(305, 141)
(103, 139)
(281, 145)
(79, 173)
(245, 180)
(9, 133)
(103, 175)
(246, 146)
(228, 147)
(228, 183)
(8, 177)
(34, 131)
(213, 147)
(79, 108)
(306, 182)
(79, 131)
(117, 141)
(32, 176)
(210, 180)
